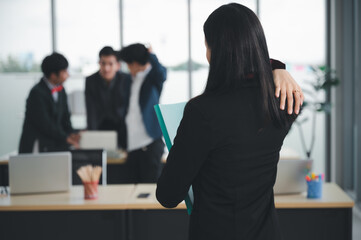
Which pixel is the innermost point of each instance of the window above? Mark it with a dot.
(295, 32)
(200, 10)
(25, 35)
(25, 40)
(83, 28)
(163, 25)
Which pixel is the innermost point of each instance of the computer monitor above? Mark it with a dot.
(39, 173)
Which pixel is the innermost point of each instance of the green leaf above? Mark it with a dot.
(323, 68)
(330, 83)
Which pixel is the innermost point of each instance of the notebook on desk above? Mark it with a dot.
(291, 176)
(39, 173)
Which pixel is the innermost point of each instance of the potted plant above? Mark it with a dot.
(324, 79)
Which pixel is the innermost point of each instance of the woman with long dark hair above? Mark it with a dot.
(227, 145)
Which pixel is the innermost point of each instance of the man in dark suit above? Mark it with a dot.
(104, 102)
(47, 125)
(142, 91)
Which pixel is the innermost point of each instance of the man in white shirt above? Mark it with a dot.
(142, 91)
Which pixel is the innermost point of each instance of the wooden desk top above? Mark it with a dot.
(110, 197)
(109, 161)
(120, 197)
(332, 197)
(150, 202)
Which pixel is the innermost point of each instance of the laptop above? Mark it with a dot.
(99, 140)
(40, 173)
(291, 176)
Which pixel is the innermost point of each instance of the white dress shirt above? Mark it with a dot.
(137, 134)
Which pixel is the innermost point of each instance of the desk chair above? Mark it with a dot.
(94, 157)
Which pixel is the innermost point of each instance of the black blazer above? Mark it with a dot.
(45, 120)
(105, 105)
(229, 154)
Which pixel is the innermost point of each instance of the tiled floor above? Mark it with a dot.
(356, 228)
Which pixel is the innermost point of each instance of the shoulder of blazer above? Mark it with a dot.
(40, 92)
(92, 79)
(127, 81)
(122, 78)
(41, 88)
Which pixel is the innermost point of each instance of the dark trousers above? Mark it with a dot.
(144, 165)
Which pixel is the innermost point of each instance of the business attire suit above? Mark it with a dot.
(105, 105)
(229, 154)
(46, 120)
(144, 163)
(149, 96)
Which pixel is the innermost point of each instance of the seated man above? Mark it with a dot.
(47, 126)
(104, 102)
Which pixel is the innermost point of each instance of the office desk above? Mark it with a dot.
(66, 215)
(300, 218)
(120, 214)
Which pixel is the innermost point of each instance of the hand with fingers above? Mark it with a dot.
(288, 89)
(73, 139)
(149, 47)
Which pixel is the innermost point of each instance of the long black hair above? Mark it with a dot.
(238, 47)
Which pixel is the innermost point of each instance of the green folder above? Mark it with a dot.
(169, 118)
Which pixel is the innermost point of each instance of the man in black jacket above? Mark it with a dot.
(103, 95)
(47, 126)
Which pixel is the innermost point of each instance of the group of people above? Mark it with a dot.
(114, 101)
(228, 142)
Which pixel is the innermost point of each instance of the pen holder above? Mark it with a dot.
(90, 190)
(314, 189)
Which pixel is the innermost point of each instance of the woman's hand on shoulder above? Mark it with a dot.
(287, 88)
